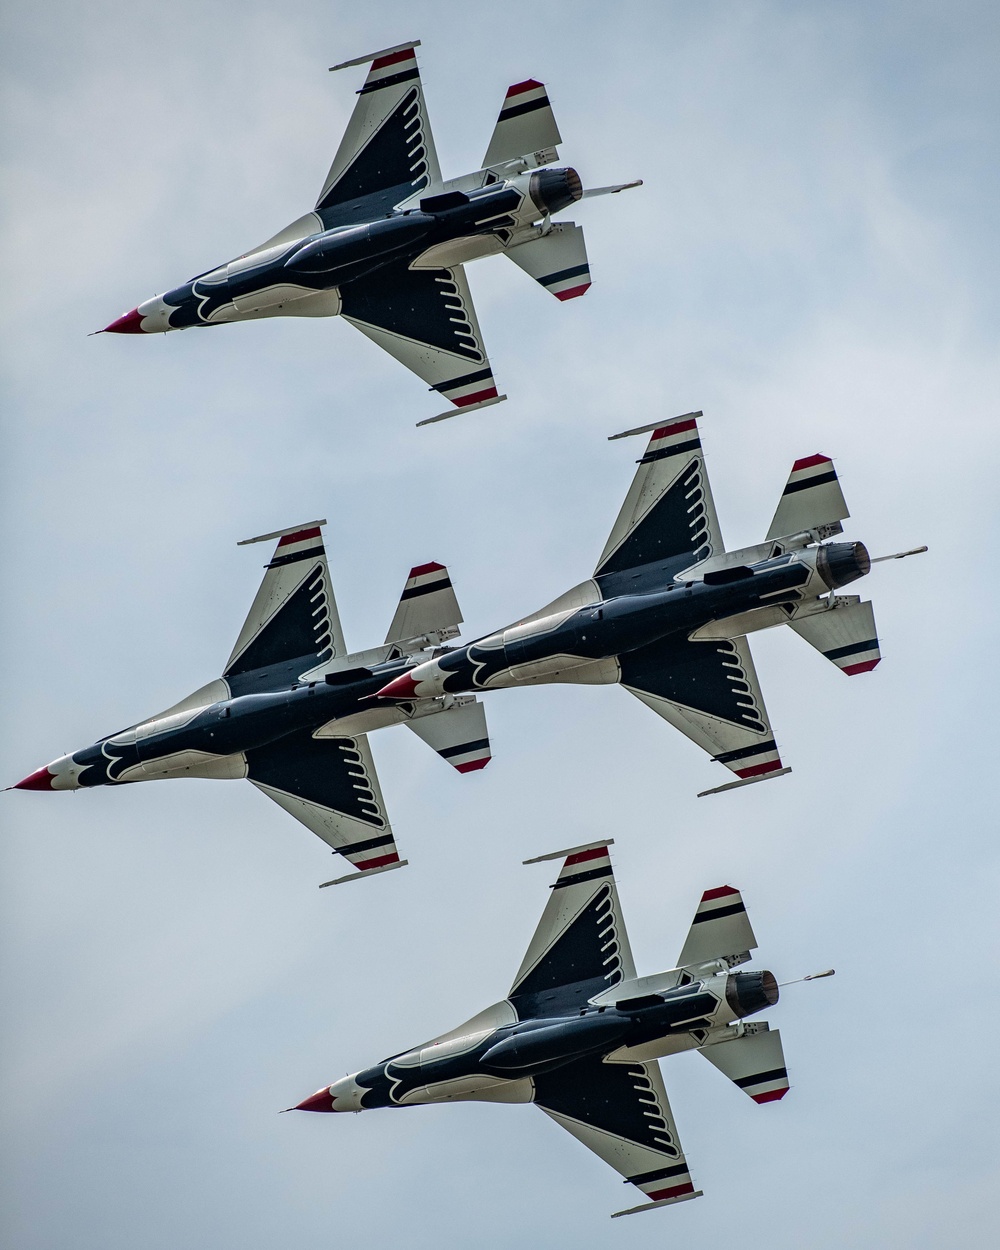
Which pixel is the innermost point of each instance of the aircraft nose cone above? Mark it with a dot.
(130, 323)
(40, 779)
(322, 1100)
(403, 687)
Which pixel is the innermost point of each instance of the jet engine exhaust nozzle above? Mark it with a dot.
(747, 992)
(555, 189)
(840, 563)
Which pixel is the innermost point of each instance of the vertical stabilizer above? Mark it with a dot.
(526, 127)
(812, 500)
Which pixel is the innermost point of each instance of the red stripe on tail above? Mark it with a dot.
(299, 536)
(810, 462)
(519, 88)
(581, 857)
(383, 61)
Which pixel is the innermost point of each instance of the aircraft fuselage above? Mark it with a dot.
(272, 281)
(179, 743)
(553, 647)
(491, 1063)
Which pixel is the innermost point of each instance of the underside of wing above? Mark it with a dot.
(293, 624)
(709, 691)
(331, 786)
(580, 947)
(426, 319)
(621, 1113)
(387, 152)
(668, 519)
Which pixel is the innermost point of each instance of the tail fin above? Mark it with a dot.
(812, 500)
(755, 1062)
(293, 624)
(720, 930)
(845, 634)
(526, 127)
(428, 611)
(556, 260)
(458, 734)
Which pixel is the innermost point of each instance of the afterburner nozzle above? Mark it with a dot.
(841, 563)
(553, 189)
(747, 992)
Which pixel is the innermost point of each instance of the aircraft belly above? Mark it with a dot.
(575, 669)
(274, 298)
(188, 764)
(362, 722)
(659, 1048)
(459, 1088)
(740, 624)
(458, 252)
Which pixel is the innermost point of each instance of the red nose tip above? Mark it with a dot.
(41, 779)
(322, 1100)
(130, 323)
(401, 688)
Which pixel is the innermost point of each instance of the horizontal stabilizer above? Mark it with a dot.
(845, 634)
(526, 127)
(812, 500)
(720, 929)
(557, 260)
(331, 786)
(426, 606)
(755, 1062)
(458, 735)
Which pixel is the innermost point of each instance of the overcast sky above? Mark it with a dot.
(813, 262)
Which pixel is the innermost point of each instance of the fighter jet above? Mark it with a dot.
(291, 711)
(667, 610)
(386, 244)
(579, 1033)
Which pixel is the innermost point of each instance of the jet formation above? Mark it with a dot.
(386, 244)
(667, 611)
(579, 1033)
(666, 615)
